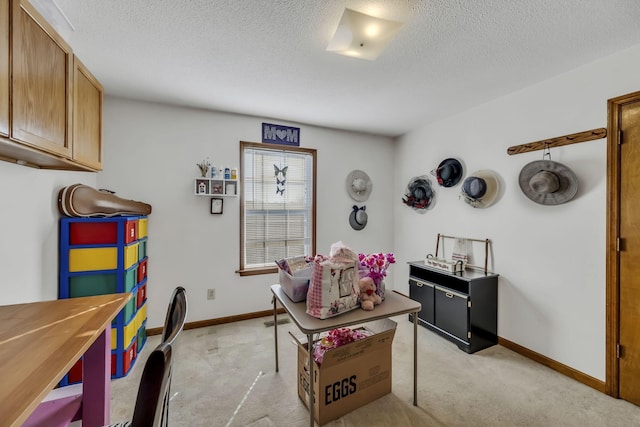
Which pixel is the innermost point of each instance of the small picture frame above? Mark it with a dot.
(202, 186)
(230, 188)
(216, 187)
(216, 205)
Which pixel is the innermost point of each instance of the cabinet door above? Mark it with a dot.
(4, 67)
(87, 117)
(423, 293)
(41, 82)
(452, 312)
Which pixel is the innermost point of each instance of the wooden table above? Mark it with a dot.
(394, 304)
(41, 341)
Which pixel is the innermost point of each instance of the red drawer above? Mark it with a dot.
(142, 270)
(75, 373)
(93, 233)
(127, 359)
(142, 295)
(131, 231)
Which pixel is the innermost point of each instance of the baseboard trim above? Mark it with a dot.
(556, 366)
(220, 320)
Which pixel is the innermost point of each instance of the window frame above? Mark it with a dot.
(242, 271)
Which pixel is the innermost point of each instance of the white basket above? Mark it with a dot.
(295, 287)
(445, 264)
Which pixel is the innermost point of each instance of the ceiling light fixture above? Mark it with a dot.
(362, 36)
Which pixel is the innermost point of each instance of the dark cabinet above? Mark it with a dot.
(462, 307)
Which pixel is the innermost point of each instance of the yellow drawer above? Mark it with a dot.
(141, 316)
(88, 259)
(130, 330)
(142, 228)
(130, 255)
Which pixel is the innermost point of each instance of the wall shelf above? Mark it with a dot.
(215, 187)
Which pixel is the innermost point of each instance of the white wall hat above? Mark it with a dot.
(359, 185)
(547, 182)
(481, 188)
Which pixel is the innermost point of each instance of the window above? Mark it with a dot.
(277, 205)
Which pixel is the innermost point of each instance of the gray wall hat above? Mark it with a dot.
(358, 185)
(547, 182)
(358, 218)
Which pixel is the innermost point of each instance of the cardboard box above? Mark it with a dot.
(351, 375)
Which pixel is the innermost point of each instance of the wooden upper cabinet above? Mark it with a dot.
(4, 67)
(87, 117)
(41, 83)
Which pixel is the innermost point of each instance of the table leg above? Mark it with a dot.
(311, 384)
(275, 329)
(415, 359)
(96, 379)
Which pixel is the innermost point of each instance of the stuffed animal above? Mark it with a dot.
(368, 297)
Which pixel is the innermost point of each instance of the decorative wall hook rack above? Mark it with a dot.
(487, 243)
(574, 138)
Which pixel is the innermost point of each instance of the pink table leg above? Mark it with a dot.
(96, 379)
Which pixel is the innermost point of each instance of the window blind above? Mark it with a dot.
(278, 196)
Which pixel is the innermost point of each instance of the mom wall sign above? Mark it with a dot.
(277, 134)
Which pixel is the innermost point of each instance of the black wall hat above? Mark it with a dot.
(419, 194)
(448, 173)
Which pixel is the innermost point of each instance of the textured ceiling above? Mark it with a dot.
(268, 58)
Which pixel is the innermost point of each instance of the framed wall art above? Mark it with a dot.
(216, 205)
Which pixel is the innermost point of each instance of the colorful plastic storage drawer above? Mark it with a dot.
(98, 283)
(142, 295)
(89, 259)
(142, 335)
(93, 233)
(142, 270)
(128, 331)
(142, 227)
(130, 255)
(131, 231)
(85, 285)
(142, 249)
(126, 358)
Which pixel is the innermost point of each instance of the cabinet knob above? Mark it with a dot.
(448, 294)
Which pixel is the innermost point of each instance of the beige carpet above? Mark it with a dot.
(225, 376)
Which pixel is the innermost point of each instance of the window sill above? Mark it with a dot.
(257, 271)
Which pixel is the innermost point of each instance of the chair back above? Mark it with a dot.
(176, 315)
(153, 389)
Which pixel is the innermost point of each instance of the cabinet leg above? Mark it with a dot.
(415, 359)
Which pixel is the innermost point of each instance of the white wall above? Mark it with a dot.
(151, 152)
(29, 231)
(551, 259)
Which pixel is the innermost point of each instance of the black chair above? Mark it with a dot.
(173, 325)
(152, 403)
(154, 387)
(176, 315)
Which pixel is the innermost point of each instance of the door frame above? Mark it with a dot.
(612, 380)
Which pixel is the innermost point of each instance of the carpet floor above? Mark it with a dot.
(225, 375)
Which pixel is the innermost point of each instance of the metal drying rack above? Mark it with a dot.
(486, 242)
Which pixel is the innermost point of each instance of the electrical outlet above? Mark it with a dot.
(211, 294)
